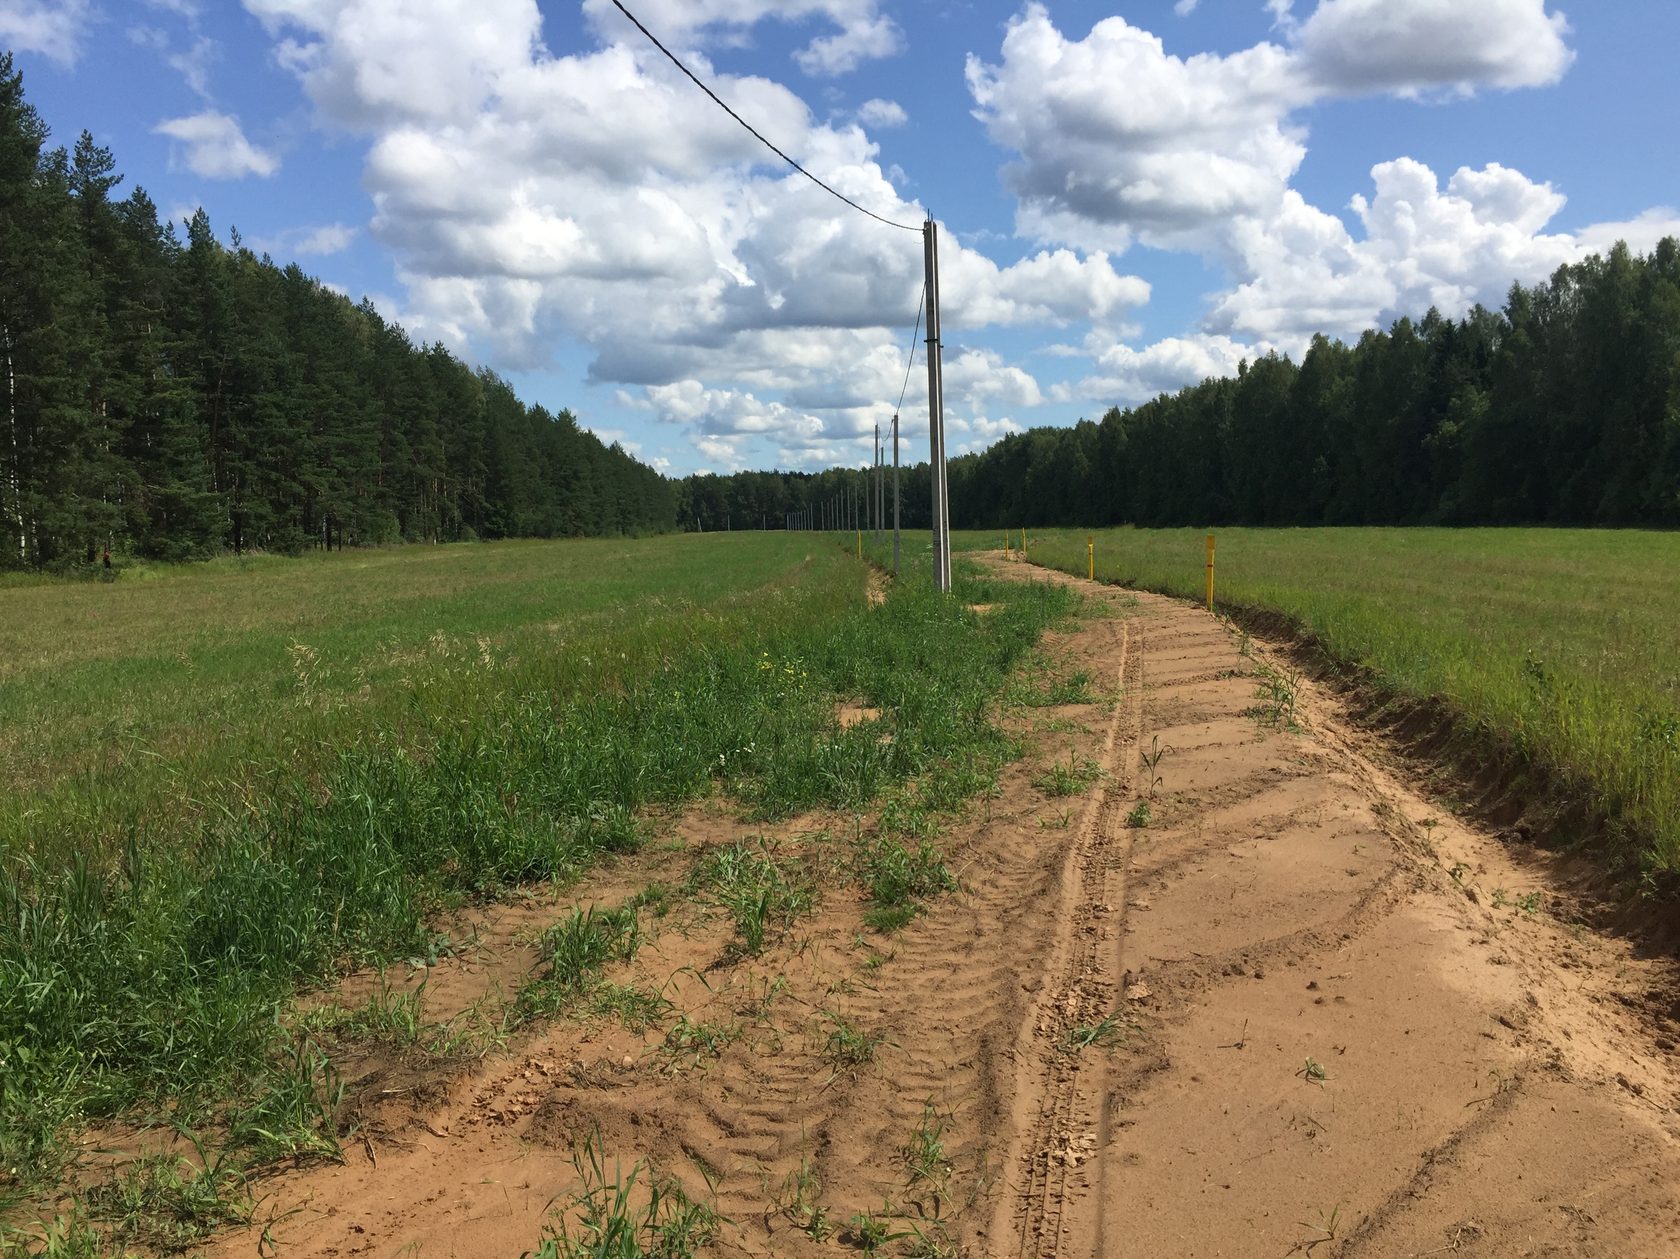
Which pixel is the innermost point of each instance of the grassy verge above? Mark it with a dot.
(149, 971)
(1557, 648)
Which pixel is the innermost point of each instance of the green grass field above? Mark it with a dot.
(222, 782)
(184, 673)
(1562, 644)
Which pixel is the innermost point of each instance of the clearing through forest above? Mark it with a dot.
(1244, 993)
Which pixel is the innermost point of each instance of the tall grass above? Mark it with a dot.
(1561, 644)
(150, 966)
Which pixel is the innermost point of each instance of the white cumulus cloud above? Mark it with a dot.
(309, 242)
(882, 113)
(213, 145)
(1423, 245)
(864, 39)
(53, 28)
(973, 377)
(861, 31)
(369, 60)
(1412, 46)
(1127, 375)
(1120, 140)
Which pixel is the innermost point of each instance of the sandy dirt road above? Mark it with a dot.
(1323, 1016)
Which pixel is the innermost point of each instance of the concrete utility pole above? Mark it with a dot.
(881, 490)
(895, 493)
(936, 413)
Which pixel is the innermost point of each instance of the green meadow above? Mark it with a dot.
(1560, 645)
(221, 783)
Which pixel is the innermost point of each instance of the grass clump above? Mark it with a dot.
(634, 1214)
(1277, 693)
(900, 875)
(169, 1203)
(689, 1044)
(798, 1202)
(1070, 779)
(574, 951)
(924, 1158)
(1040, 684)
(1105, 1033)
(65, 1236)
(848, 1047)
(869, 1231)
(761, 891)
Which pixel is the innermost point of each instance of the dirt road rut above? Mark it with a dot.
(1250, 995)
(1349, 1024)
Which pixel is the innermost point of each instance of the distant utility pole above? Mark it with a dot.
(895, 493)
(936, 412)
(880, 489)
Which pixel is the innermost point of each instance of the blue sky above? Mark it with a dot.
(1131, 195)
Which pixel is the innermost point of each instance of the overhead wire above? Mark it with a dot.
(921, 305)
(636, 22)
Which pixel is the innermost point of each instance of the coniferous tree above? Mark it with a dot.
(171, 398)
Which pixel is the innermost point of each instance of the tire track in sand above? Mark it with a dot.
(1053, 1085)
(1349, 1031)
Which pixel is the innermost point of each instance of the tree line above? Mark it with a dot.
(173, 398)
(1561, 408)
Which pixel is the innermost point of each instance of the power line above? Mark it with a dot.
(737, 117)
(921, 304)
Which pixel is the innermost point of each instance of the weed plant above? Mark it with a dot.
(170, 1203)
(900, 875)
(575, 950)
(760, 890)
(924, 1154)
(1069, 779)
(869, 1231)
(847, 1046)
(798, 1202)
(1105, 1033)
(615, 1217)
(688, 1044)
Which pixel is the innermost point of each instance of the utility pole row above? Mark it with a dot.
(850, 510)
(936, 412)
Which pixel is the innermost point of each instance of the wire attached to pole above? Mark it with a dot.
(756, 133)
(921, 305)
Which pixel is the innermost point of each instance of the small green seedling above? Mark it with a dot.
(1105, 1034)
